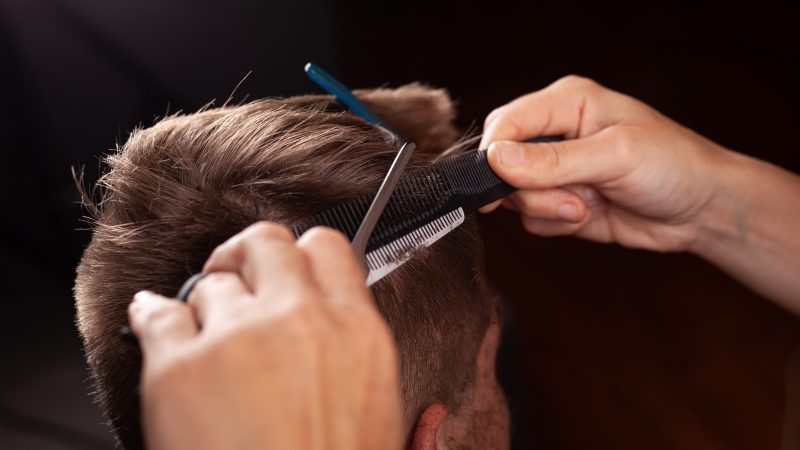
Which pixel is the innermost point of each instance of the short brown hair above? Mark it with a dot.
(178, 189)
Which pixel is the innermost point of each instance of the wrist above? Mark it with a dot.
(749, 230)
(722, 223)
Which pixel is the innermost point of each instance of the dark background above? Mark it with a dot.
(612, 348)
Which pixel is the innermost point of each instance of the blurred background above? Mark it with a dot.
(609, 348)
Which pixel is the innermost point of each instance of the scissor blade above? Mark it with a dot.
(359, 243)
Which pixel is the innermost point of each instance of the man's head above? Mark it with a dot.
(180, 188)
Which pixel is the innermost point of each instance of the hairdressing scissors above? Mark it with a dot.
(345, 95)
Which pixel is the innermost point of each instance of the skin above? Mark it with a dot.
(482, 422)
(280, 347)
(627, 174)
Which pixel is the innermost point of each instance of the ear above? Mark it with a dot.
(423, 114)
(428, 426)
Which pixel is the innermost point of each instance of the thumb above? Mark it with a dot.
(550, 164)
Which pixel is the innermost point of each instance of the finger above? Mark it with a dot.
(266, 258)
(510, 203)
(548, 228)
(160, 324)
(217, 297)
(599, 158)
(337, 271)
(572, 106)
(490, 207)
(552, 204)
(587, 194)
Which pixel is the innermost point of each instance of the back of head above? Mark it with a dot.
(180, 188)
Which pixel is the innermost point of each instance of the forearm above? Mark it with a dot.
(752, 227)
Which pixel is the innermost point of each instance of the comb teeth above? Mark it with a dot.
(384, 260)
(469, 174)
(465, 181)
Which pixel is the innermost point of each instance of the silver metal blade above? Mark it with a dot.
(360, 240)
(382, 261)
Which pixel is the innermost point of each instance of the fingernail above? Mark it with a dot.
(511, 155)
(142, 295)
(568, 212)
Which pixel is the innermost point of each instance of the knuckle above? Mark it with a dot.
(578, 82)
(549, 162)
(504, 129)
(496, 113)
(165, 313)
(202, 289)
(268, 231)
(300, 262)
(227, 253)
(233, 252)
(503, 125)
(328, 237)
(571, 79)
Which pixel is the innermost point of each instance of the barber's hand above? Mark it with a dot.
(625, 174)
(279, 347)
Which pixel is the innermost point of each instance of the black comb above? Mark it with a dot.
(426, 204)
(422, 195)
